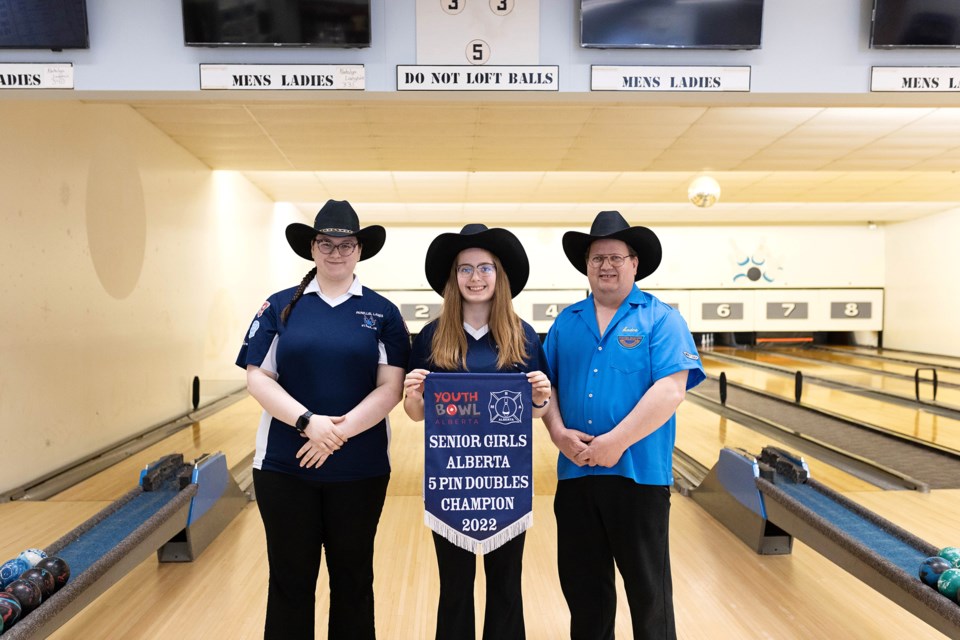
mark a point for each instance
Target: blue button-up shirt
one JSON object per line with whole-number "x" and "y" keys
{"x": 600, "y": 379}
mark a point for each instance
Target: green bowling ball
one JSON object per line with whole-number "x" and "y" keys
{"x": 951, "y": 554}
{"x": 949, "y": 583}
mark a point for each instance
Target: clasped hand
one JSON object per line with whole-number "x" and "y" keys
{"x": 600, "y": 451}
{"x": 323, "y": 438}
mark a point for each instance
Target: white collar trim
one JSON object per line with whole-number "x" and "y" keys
{"x": 476, "y": 333}
{"x": 356, "y": 289}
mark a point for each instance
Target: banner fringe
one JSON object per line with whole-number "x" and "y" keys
{"x": 473, "y": 545}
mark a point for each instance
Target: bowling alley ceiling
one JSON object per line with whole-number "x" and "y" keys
{"x": 558, "y": 161}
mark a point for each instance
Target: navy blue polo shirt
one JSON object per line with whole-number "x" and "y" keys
{"x": 326, "y": 356}
{"x": 600, "y": 379}
{"x": 482, "y": 352}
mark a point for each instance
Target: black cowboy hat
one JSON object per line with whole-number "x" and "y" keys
{"x": 338, "y": 219}
{"x": 610, "y": 225}
{"x": 444, "y": 249}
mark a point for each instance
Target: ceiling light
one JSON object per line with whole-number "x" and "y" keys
{"x": 704, "y": 191}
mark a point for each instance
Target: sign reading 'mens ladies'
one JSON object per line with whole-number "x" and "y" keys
{"x": 716, "y": 79}
{"x": 43, "y": 75}
{"x": 280, "y": 77}
{"x": 915, "y": 79}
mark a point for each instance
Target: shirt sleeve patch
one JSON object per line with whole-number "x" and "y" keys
{"x": 253, "y": 329}
{"x": 692, "y": 356}
{"x": 266, "y": 305}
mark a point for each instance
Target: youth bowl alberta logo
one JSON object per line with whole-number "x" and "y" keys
{"x": 505, "y": 407}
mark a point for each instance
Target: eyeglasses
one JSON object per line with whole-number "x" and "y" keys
{"x": 485, "y": 269}
{"x": 344, "y": 248}
{"x": 615, "y": 260}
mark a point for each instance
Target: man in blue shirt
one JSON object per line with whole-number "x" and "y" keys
{"x": 621, "y": 362}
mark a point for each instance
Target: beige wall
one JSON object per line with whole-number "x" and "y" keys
{"x": 922, "y": 298}
{"x": 128, "y": 268}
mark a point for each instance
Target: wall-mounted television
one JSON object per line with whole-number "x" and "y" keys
{"x": 43, "y": 24}
{"x": 276, "y": 23}
{"x": 668, "y": 24}
{"x": 915, "y": 23}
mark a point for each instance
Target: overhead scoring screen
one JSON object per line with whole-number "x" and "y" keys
{"x": 276, "y": 23}
{"x": 43, "y": 24}
{"x": 916, "y": 23}
{"x": 704, "y": 24}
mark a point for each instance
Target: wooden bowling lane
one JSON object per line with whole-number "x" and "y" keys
{"x": 701, "y": 434}
{"x": 722, "y": 589}
{"x": 876, "y": 364}
{"x": 231, "y": 430}
{"x": 920, "y": 359}
{"x": 946, "y": 396}
{"x": 909, "y": 421}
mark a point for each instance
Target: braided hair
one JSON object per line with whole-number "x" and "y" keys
{"x": 296, "y": 296}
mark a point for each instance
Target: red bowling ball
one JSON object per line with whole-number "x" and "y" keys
{"x": 58, "y": 567}
{"x": 27, "y": 593}
{"x": 42, "y": 578}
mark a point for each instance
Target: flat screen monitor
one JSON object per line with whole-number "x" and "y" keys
{"x": 43, "y": 24}
{"x": 667, "y": 24}
{"x": 276, "y": 23}
{"x": 915, "y": 23}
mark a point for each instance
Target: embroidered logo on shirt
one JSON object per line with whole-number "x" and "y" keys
{"x": 505, "y": 407}
{"x": 369, "y": 319}
{"x": 629, "y": 342}
{"x": 266, "y": 305}
{"x": 692, "y": 356}
{"x": 254, "y": 328}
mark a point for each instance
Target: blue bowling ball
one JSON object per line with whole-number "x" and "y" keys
{"x": 11, "y": 570}
{"x": 931, "y": 568}
{"x": 32, "y": 556}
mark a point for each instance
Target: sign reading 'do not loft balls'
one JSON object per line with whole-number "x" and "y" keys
{"x": 915, "y": 79}
{"x": 36, "y": 76}
{"x": 468, "y": 78}
{"x": 283, "y": 77}
{"x": 605, "y": 78}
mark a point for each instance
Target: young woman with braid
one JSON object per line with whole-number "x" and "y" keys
{"x": 478, "y": 272}
{"x": 326, "y": 361}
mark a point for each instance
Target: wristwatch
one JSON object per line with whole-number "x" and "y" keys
{"x": 303, "y": 421}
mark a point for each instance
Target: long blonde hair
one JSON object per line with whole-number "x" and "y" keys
{"x": 449, "y": 346}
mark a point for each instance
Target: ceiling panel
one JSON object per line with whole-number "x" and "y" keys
{"x": 554, "y": 159}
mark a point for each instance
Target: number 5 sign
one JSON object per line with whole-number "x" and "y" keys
{"x": 477, "y": 32}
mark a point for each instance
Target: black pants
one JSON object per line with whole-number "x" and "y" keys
{"x": 607, "y": 519}
{"x": 503, "y": 617}
{"x": 301, "y": 519}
